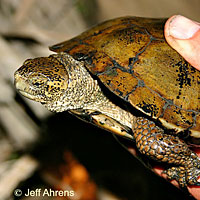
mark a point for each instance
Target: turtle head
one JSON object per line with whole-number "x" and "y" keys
{"x": 42, "y": 79}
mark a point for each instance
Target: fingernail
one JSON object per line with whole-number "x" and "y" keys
{"x": 182, "y": 28}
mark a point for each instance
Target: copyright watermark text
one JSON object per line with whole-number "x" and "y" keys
{"x": 45, "y": 192}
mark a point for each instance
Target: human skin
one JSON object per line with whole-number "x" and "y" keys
{"x": 183, "y": 35}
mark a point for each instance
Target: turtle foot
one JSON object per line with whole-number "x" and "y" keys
{"x": 183, "y": 175}
{"x": 154, "y": 143}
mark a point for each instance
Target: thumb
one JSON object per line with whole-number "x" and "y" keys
{"x": 183, "y": 35}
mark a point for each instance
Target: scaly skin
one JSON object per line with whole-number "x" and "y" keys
{"x": 62, "y": 83}
{"x": 153, "y": 142}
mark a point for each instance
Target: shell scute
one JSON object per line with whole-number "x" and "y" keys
{"x": 179, "y": 117}
{"x": 147, "y": 101}
{"x": 117, "y": 81}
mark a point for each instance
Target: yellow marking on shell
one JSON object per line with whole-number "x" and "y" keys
{"x": 171, "y": 126}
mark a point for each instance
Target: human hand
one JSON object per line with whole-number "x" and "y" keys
{"x": 183, "y": 35}
{"x": 193, "y": 190}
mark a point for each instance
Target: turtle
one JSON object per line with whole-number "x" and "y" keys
{"x": 121, "y": 75}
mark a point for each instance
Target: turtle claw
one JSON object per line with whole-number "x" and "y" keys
{"x": 183, "y": 175}
{"x": 197, "y": 184}
{"x": 178, "y": 174}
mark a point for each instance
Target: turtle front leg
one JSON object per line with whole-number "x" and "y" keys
{"x": 151, "y": 141}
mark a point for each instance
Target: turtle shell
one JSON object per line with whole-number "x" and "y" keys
{"x": 131, "y": 57}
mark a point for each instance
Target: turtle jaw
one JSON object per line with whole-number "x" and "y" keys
{"x": 25, "y": 89}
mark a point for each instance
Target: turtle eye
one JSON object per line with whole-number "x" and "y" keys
{"x": 37, "y": 82}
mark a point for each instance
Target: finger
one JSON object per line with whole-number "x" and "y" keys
{"x": 194, "y": 190}
{"x": 183, "y": 35}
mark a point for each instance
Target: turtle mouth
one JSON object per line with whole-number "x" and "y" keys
{"x": 24, "y": 89}
{"x": 27, "y": 95}
{"x": 30, "y": 96}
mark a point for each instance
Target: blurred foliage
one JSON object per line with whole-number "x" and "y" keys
{"x": 89, "y": 10}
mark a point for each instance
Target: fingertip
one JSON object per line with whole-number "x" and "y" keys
{"x": 167, "y": 25}
{"x": 180, "y": 27}
{"x": 171, "y": 41}
{"x": 187, "y": 44}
